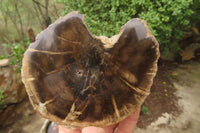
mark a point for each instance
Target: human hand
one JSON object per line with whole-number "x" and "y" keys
{"x": 126, "y": 126}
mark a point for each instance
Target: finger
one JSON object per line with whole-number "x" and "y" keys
{"x": 66, "y": 130}
{"x": 128, "y": 125}
{"x": 110, "y": 129}
{"x": 92, "y": 129}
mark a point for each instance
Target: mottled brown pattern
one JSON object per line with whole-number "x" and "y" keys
{"x": 72, "y": 79}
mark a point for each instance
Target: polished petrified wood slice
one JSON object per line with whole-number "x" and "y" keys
{"x": 76, "y": 79}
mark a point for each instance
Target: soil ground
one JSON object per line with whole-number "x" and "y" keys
{"x": 162, "y": 98}
{"x": 186, "y": 119}
{"x": 173, "y": 104}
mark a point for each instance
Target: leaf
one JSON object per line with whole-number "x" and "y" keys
{"x": 145, "y": 110}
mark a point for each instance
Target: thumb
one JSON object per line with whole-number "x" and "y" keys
{"x": 92, "y": 129}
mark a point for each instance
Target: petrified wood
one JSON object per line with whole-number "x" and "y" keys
{"x": 77, "y": 79}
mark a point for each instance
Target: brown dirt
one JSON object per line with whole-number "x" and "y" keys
{"x": 162, "y": 98}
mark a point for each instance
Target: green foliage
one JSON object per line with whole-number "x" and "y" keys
{"x": 195, "y": 19}
{"x": 2, "y": 57}
{"x": 167, "y": 19}
{"x": 145, "y": 110}
{"x": 17, "y": 52}
{"x": 1, "y": 96}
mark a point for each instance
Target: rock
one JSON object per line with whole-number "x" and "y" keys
{"x": 12, "y": 87}
{"x": 4, "y": 62}
{"x": 13, "y": 95}
{"x": 6, "y": 116}
{"x": 15, "y": 113}
{"x": 189, "y": 51}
